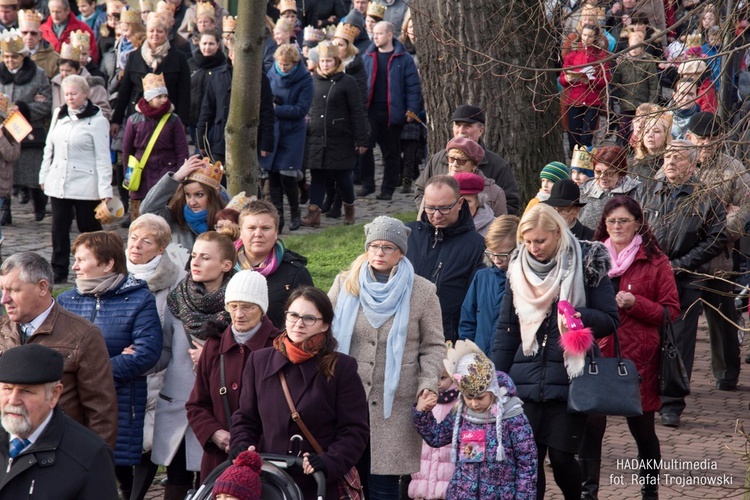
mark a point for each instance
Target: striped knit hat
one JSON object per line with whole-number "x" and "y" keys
{"x": 555, "y": 171}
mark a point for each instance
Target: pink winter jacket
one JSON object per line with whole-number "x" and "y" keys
{"x": 436, "y": 470}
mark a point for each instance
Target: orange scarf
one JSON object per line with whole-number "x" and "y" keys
{"x": 298, "y": 353}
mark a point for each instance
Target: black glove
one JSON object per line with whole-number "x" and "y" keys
{"x": 236, "y": 451}
{"x": 317, "y": 463}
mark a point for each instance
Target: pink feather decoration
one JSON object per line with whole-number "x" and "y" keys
{"x": 577, "y": 341}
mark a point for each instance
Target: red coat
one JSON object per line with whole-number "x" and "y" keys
{"x": 588, "y": 93}
{"x": 205, "y": 407}
{"x": 652, "y": 283}
{"x": 335, "y": 412}
{"x": 73, "y": 25}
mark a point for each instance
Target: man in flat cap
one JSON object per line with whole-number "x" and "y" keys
{"x": 468, "y": 121}
{"x": 34, "y": 317}
{"x": 726, "y": 177}
{"x": 46, "y": 454}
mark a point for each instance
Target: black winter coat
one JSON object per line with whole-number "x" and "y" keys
{"x": 215, "y": 112}
{"x": 449, "y": 258}
{"x": 67, "y": 462}
{"x": 176, "y": 75}
{"x": 201, "y": 69}
{"x": 290, "y": 274}
{"x": 689, "y": 222}
{"x": 356, "y": 68}
{"x": 337, "y": 123}
{"x": 542, "y": 377}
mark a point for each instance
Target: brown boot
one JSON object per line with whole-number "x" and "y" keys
{"x": 348, "y": 214}
{"x": 312, "y": 217}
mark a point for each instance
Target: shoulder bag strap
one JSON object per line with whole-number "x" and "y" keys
{"x": 295, "y": 415}
{"x": 223, "y": 391}
{"x": 152, "y": 140}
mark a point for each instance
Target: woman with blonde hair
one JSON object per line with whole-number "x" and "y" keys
{"x": 653, "y": 125}
{"x": 533, "y": 344}
{"x": 387, "y": 318}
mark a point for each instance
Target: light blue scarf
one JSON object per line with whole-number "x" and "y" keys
{"x": 379, "y": 301}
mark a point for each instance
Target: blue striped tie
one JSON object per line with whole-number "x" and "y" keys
{"x": 17, "y": 445}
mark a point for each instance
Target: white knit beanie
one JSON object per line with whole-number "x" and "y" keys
{"x": 248, "y": 286}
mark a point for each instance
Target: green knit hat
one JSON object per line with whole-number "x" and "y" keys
{"x": 555, "y": 171}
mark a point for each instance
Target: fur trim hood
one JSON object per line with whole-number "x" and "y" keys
{"x": 596, "y": 262}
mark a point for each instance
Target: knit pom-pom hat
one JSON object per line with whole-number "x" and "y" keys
{"x": 241, "y": 479}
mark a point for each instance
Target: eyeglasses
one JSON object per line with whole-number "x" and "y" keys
{"x": 307, "y": 320}
{"x": 32, "y": 33}
{"x": 442, "y": 210}
{"x": 458, "y": 161}
{"x": 113, "y": 16}
{"x": 498, "y": 256}
{"x": 387, "y": 249}
{"x": 606, "y": 173}
{"x": 243, "y": 307}
{"x": 621, "y": 221}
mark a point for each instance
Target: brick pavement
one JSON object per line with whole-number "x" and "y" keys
{"x": 709, "y": 429}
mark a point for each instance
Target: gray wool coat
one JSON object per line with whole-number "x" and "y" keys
{"x": 395, "y": 446}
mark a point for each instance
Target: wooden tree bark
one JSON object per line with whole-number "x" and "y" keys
{"x": 475, "y": 52}
{"x": 242, "y": 125}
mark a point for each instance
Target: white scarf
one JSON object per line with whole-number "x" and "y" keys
{"x": 144, "y": 271}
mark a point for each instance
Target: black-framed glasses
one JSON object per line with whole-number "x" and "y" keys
{"x": 606, "y": 174}
{"x": 307, "y": 319}
{"x": 498, "y": 256}
{"x": 621, "y": 221}
{"x": 458, "y": 161}
{"x": 386, "y": 249}
{"x": 442, "y": 210}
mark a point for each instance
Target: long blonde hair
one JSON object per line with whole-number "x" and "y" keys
{"x": 351, "y": 282}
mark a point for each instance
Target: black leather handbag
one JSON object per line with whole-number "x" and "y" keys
{"x": 674, "y": 381}
{"x": 608, "y": 386}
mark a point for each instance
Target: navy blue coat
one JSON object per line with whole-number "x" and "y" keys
{"x": 542, "y": 377}
{"x": 449, "y": 258}
{"x": 404, "y": 86}
{"x": 293, "y": 95}
{"x": 126, "y": 316}
{"x": 214, "y": 113}
{"x": 481, "y": 308}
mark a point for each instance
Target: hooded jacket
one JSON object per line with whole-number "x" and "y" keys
{"x": 448, "y": 257}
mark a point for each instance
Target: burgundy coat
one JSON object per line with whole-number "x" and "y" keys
{"x": 205, "y": 407}
{"x": 170, "y": 149}
{"x": 335, "y": 412}
{"x": 652, "y": 283}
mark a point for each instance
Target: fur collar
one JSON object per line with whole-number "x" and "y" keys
{"x": 91, "y": 110}
{"x": 166, "y": 275}
{"x": 24, "y": 74}
{"x": 596, "y": 262}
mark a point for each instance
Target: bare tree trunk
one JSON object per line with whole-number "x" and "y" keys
{"x": 242, "y": 124}
{"x": 476, "y": 52}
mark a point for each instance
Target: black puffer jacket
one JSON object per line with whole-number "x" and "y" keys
{"x": 356, "y": 68}
{"x": 290, "y": 274}
{"x": 689, "y": 222}
{"x": 201, "y": 69}
{"x": 449, "y": 258}
{"x": 542, "y": 377}
{"x": 337, "y": 123}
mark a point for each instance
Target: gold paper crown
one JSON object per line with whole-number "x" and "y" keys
{"x": 158, "y": 17}
{"x": 209, "y": 174}
{"x": 327, "y": 49}
{"x": 695, "y": 40}
{"x": 164, "y": 7}
{"x": 114, "y": 6}
{"x": 330, "y": 31}
{"x": 131, "y": 16}
{"x": 239, "y": 201}
{"x": 376, "y": 10}
{"x": 205, "y": 8}
{"x": 582, "y": 158}
{"x": 29, "y": 20}
{"x": 346, "y": 31}
{"x": 284, "y": 24}
{"x": 229, "y": 24}
{"x": 4, "y": 103}
{"x": 153, "y": 81}
{"x": 70, "y": 52}
{"x": 11, "y": 42}
{"x": 285, "y": 5}
{"x": 80, "y": 38}
{"x": 480, "y": 370}
{"x": 313, "y": 35}
{"x": 146, "y": 5}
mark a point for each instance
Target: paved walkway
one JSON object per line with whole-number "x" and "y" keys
{"x": 709, "y": 438}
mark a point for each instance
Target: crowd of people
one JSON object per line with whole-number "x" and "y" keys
{"x": 437, "y": 365}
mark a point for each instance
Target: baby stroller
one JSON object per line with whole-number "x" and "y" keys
{"x": 277, "y": 484}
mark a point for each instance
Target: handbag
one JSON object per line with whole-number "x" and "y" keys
{"x": 607, "y": 386}
{"x": 674, "y": 381}
{"x": 349, "y": 486}
{"x": 135, "y": 167}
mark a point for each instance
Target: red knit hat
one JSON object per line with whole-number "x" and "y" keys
{"x": 242, "y": 479}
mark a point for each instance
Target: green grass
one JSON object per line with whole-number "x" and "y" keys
{"x": 331, "y": 250}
